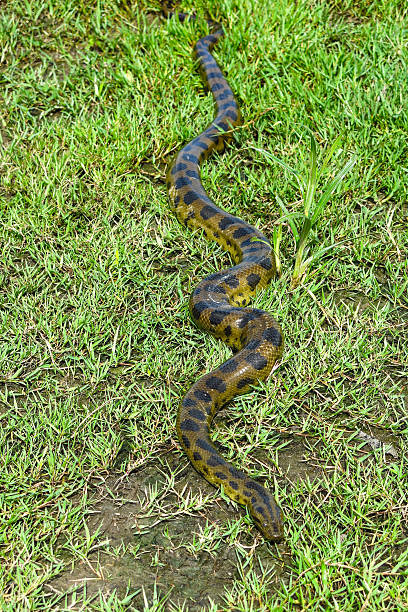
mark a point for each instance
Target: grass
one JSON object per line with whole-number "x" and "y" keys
{"x": 96, "y": 348}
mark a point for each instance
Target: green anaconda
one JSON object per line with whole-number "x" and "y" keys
{"x": 216, "y": 304}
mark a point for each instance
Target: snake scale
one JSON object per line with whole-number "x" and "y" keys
{"x": 217, "y": 303}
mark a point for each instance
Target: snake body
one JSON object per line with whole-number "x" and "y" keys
{"x": 217, "y": 303}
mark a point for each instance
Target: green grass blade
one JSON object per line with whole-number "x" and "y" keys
{"x": 312, "y": 179}
{"x": 331, "y": 188}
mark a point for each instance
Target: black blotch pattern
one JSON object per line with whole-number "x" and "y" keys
{"x": 226, "y": 222}
{"x": 188, "y": 402}
{"x": 273, "y": 335}
{"x": 202, "y": 145}
{"x": 182, "y": 182}
{"x": 232, "y": 281}
{"x": 190, "y": 197}
{"x": 247, "y": 317}
{"x": 253, "y": 280}
{"x": 179, "y": 167}
{"x": 198, "y": 308}
{"x": 203, "y": 396}
{"x": 260, "y": 490}
{"x": 215, "y": 460}
{"x": 232, "y": 114}
{"x": 240, "y": 232}
{"x": 207, "y": 212}
{"x": 197, "y": 456}
{"x": 244, "y": 382}
{"x": 227, "y": 331}
{"x": 189, "y": 425}
{"x": 260, "y": 510}
{"x": 220, "y": 475}
{"x": 257, "y": 361}
{"x": 191, "y": 157}
{"x": 265, "y": 263}
{"x": 192, "y": 174}
{"x": 216, "y": 383}
{"x": 229, "y": 366}
{"x": 197, "y": 414}
{"x": 253, "y": 344}
{"x": 217, "y": 317}
{"x": 204, "y": 445}
{"x": 186, "y": 441}
{"x": 233, "y": 485}
{"x": 235, "y": 473}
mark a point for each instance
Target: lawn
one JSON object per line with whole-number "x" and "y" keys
{"x": 100, "y": 510}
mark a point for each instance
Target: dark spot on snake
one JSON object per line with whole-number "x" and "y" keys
{"x": 253, "y": 344}
{"x": 215, "y": 460}
{"x": 244, "y": 382}
{"x": 206, "y": 446}
{"x": 253, "y": 280}
{"x": 203, "y": 396}
{"x": 192, "y": 174}
{"x": 202, "y": 145}
{"x": 226, "y": 222}
{"x": 177, "y": 199}
{"x": 186, "y": 441}
{"x": 233, "y": 485}
{"x": 257, "y": 361}
{"x": 232, "y": 114}
{"x": 259, "y": 489}
{"x": 232, "y": 281}
{"x": 189, "y": 425}
{"x": 253, "y": 499}
{"x": 235, "y": 472}
{"x": 227, "y": 331}
{"x": 197, "y": 456}
{"x": 182, "y": 182}
{"x": 260, "y": 510}
{"x": 198, "y": 308}
{"x": 191, "y": 158}
{"x": 217, "y": 317}
{"x": 197, "y": 414}
{"x": 217, "y": 87}
{"x": 216, "y": 383}
{"x": 229, "y": 366}
{"x": 240, "y": 232}
{"x": 188, "y": 402}
{"x": 197, "y": 291}
{"x": 205, "y": 469}
{"x": 273, "y": 335}
{"x": 179, "y": 167}
{"x": 225, "y": 95}
{"x": 190, "y": 197}
{"x": 265, "y": 263}
{"x": 214, "y": 276}
{"x": 213, "y": 75}
{"x": 248, "y": 316}
{"x": 220, "y": 475}
{"x": 207, "y": 212}
{"x": 223, "y": 126}
{"x": 219, "y": 290}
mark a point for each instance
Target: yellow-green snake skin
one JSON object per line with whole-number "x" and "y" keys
{"x": 216, "y": 305}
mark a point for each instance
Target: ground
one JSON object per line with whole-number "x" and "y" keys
{"x": 100, "y": 510}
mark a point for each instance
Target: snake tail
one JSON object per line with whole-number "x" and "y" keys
{"x": 217, "y": 305}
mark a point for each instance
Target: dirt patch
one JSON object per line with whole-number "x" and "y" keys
{"x": 168, "y": 537}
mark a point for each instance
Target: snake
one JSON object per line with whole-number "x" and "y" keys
{"x": 218, "y": 303}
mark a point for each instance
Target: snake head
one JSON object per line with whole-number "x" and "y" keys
{"x": 267, "y": 516}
